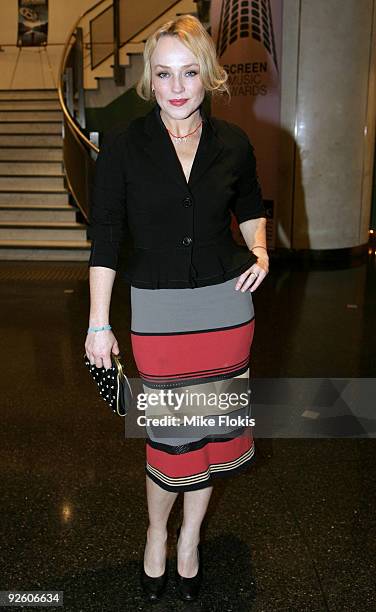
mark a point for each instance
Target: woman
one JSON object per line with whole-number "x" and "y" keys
{"x": 176, "y": 174}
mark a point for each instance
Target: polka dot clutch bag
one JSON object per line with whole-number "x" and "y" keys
{"x": 113, "y": 384}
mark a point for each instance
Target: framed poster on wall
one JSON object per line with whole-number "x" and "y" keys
{"x": 32, "y": 23}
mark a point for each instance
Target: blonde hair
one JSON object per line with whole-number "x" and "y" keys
{"x": 192, "y": 33}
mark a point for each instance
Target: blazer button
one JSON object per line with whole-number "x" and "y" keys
{"x": 187, "y": 240}
{"x": 187, "y": 201}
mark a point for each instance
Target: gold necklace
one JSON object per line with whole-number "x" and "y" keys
{"x": 183, "y": 138}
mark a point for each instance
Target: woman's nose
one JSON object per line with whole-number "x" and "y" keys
{"x": 177, "y": 85}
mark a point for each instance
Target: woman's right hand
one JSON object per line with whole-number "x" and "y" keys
{"x": 98, "y": 347}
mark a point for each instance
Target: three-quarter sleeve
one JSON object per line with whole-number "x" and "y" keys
{"x": 248, "y": 203}
{"x": 107, "y": 203}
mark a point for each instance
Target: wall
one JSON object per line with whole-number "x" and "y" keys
{"x": 35, "y": 68}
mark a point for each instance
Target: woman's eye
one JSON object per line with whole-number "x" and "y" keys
{"x": 190, "y": 73}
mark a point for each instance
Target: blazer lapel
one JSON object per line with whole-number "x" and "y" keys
{"x": 161, "y": 150}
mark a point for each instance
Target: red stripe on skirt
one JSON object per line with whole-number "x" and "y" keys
{"x": 197, "y": 461}
{"x": 182, "y": 353}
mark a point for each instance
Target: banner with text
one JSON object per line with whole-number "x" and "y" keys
{"x": 248, "y": 37}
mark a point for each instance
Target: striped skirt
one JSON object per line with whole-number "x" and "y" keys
{"x": 192, "y": 349}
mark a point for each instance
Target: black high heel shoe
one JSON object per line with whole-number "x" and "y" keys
{"x": 188, "y": 588}
{"x": 153, "y": 587}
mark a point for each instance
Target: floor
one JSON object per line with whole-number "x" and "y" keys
{"x": 296, "y": 532}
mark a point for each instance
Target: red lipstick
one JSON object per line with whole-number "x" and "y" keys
{"x": 178, "y": 102}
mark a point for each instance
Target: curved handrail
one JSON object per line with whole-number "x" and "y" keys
{"x": 78, "y": 133}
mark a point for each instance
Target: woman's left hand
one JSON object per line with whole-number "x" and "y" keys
{"x": 253, "y": 277}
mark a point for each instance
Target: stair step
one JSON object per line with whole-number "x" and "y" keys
{"x": 31, "y": 183}
{"x": 42, "y": 214}
{"x": 31, "y": 140}
{"x": 29, "y": 94}
{"x": 42, "y": 154}
{"x": 35, "y": 206}
{"x": 31, "y": 168}
{"x": 41, "y": 230}
{"x": 52, "y": 225}
{"x": 33, "y": 127}
{"x": 32, "y": 115}
{"x": 45, "y": 250}
{"x": 29, "y": 105}
{"x": 37, "y": 199}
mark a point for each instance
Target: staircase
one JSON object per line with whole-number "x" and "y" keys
{"x": 37, "y": 222}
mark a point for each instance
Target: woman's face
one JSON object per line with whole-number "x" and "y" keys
{"x": 176, "y": 78}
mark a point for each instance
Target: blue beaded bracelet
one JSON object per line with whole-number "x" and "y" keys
{"x": 97, "y": 329}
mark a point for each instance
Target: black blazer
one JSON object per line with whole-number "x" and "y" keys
{"x": 181, "y": 231}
